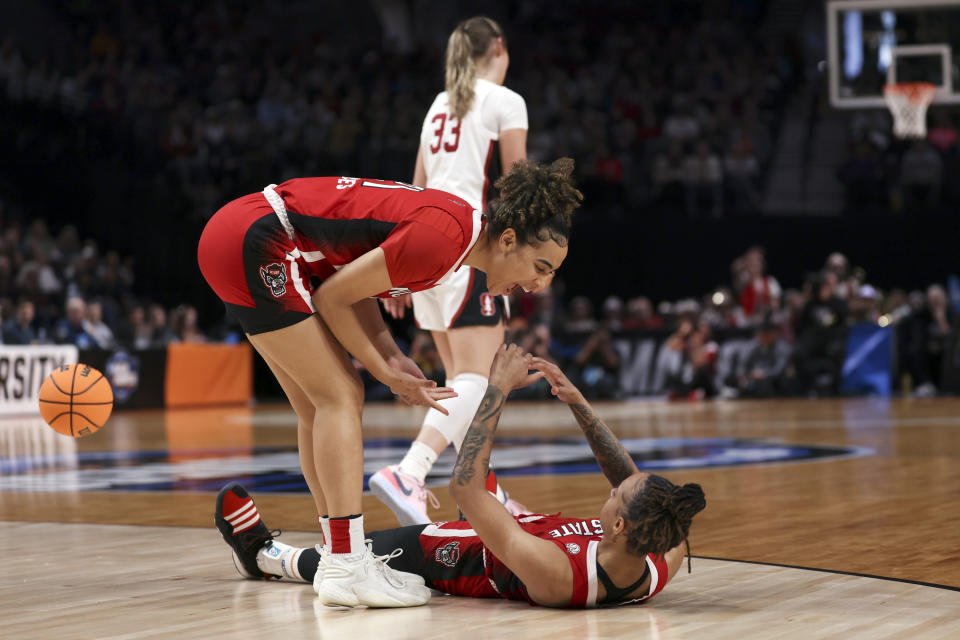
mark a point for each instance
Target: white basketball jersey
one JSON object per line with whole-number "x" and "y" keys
{"x": 456, "y": 153}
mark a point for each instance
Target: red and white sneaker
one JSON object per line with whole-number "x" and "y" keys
{"x": 511, "y": 505}
{"x": 405, "y": 495}
{"x": 242, "y": 528}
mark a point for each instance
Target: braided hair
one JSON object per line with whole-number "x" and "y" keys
{"x": 536, "y": 201}
{"x": 659, "y": 516}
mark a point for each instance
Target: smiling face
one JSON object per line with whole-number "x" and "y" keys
{"x": 529, "y": 266}
{"x": 611, "y": 513}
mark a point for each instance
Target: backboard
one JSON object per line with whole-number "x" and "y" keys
{"x": 871, "y": 43}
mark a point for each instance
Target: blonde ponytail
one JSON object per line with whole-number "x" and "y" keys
{"x": 468, "y": 42}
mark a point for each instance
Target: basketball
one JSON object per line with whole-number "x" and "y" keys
{"x": 76, "y": 400}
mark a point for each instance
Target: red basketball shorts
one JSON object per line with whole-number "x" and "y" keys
{"x": 255, "y": 269}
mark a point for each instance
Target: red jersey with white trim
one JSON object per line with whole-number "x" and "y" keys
{"x": 425, "y": 234}
{"x": 456, "y": 543}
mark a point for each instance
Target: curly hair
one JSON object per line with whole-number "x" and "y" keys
{"x": 536, "y": 201}
{"x": 659, "y": 516}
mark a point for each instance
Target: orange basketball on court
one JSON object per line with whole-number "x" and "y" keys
{"x": 76, "y": 400}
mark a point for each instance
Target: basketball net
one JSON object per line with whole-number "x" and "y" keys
{"x": 908, "y": 102}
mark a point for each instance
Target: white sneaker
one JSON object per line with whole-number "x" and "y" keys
{"x": 397, "y": 575}
{"x": 405, "y": 495}
{"x": 318, "y": 576}
{"x": 362, "y": 578}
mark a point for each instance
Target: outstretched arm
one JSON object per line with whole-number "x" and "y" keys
{"x": 540, "y": 564}
{"x": 360, "y": 334}
{"x": 614, "y": 461}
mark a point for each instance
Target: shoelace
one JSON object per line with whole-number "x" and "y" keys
{"x": 328, "y": 570}
{"x": 388, "y": 573}
{"x": 253, "y": 540}
{"x": 432, "y": 498}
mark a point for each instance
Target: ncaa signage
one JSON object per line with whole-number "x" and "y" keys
{"x": 123, "y": 372}
{"x": 24, "y": 368}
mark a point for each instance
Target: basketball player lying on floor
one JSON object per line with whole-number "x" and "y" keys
{"x": 624, "y": 556}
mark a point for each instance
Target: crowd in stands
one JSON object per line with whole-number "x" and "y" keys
{"x": 61, "y": 289}
{"x": 656, "y": 102}
{"x": 751, "y": 339}
{"x": 884, "y": 173}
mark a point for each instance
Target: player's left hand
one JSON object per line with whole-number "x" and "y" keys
{"x": 405, "y": 364}
{"x": 511, "y": 369}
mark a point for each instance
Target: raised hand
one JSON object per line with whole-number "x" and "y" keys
{"x": 560, "y": 386}
{"x": 511, "y": 369}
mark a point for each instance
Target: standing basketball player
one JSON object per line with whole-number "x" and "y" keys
{"x": 362, "y": 238}
{"x": 625, "y": 555}
{"x": 465, "y": 319}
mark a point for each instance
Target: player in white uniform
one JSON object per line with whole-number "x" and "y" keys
{"x": 466, "y": 321}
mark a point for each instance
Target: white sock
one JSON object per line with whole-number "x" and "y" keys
{"x": 470, "y": 388}
{"x": 418, "y": 461}
{"x": 280, "y": 559}
{"x": 324, "y": 531}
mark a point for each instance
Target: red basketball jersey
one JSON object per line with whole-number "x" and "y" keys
{"x": 451, "y": 543}
{"x": 424, "y": 233}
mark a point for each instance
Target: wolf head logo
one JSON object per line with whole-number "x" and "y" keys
{"x": 275, "y": 277}
{"x": 449, "y": 555}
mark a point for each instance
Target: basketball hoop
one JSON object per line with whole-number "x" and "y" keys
{"x": 908, "y": 102}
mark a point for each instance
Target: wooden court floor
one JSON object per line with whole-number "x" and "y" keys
{"x": 824, "y": 519}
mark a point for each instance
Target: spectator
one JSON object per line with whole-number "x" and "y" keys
{"x": 821, "y": 339}
{"x": 691, "y": 368}
{"x": 21, "y": 329}
{"x": 612, "y": 319}
{"x": 161, "y": 334}
{"x": 847, "y": 283}
{"x": 136, "y": 332}
{"x": 185, "y": 324}
{"x": 70, "y": 330}
{"x": 763, "y": 372}
{"x": 37, "y": 275}
{"x": 929, "y": 332}
{"x": 760, "y": 293}
{"x": 543, "y": 312}
{"x": 580, "y": 318}
{"x": 96, "y": 328}
{"x": 640, "y": 316}
{"x": 788, "y": 318}
{"x": 595, "y": 367}
{"x": 721, "y": 312}
{"x": 535, "y": 340}
{"x": 865, "y": 306}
